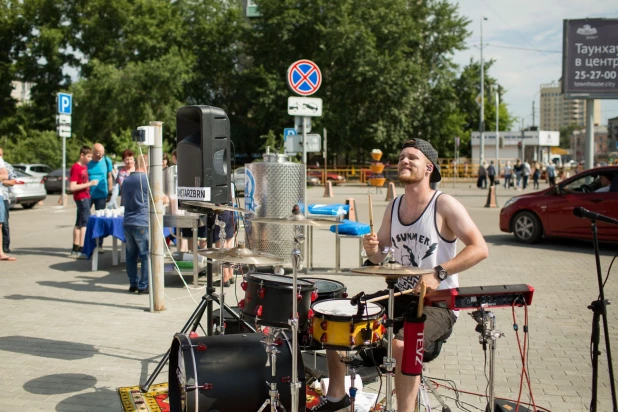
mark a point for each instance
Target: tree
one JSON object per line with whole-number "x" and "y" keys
{"x": 566, "y": 133}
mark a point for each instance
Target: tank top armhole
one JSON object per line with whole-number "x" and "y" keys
{"x": 435, "y": 221}
{"x": 393, "y": 209}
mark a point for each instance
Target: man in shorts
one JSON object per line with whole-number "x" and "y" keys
{"x": 4, "y": 174}
{"x": 420, "y": 229}
{"x": 80, "y": 186}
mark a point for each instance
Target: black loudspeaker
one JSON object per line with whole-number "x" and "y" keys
{"x": 203, "y": 154}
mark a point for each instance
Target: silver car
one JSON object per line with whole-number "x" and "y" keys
{"x": 27, "y": 191}
{"x": 33, "y": 169}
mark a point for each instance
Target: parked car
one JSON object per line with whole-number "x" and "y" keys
{"x": 53, "y": 181}
{"x": 549, "y": 212}
{"x": 36, "y": 170}
{"x": 238, "y": 177}
{"x": 314, "y": 176}
{"x": 27, "y": 191}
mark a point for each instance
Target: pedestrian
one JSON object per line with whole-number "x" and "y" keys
{"x": 4, "y": 175}
{"x": 128, "y": 157}
{"x": 508, "y": 174}
{"x": 536, "y": 175}
{"x": 526, "y": 172}
{"x": 420, "y": 229}
{"x": 481, "y": 182}
{"x": 174, "y": 158}
{"x": 491, "y": 173}
{"x": 135, "y": 201}
{"x": 80, "y": 185}
{"x": 10, "y": 181}
{"x": 551, "y": 174}
{"x": 166, "y": 161}
{"x": 100, "y": 169}
{"x": 518, "y": 168}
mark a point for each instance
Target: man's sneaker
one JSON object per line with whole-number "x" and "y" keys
{"x": 327, "y": 406}
{"x": 231, "y": 280}
{"x": 132, "y": 289}
{"x": 83, "y": 256}
{"x": 101, "y": 249}
{"x": 74, "y": 255}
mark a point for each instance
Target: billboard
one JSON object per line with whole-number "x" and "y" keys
{"x": 590, "y": 59}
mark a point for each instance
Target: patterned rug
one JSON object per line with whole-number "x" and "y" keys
{"x": 133, "y": 400}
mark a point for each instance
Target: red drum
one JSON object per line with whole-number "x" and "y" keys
{"x": 268, "y": 299}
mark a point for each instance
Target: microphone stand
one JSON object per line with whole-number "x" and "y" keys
{"x": 599, "y": 309}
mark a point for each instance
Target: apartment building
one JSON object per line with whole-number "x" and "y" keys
{"x": 558, "y": 112}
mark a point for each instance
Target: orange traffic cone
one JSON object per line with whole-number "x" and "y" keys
{"x": 351, "y": 215}
{"x": 391, "y": 193}
{"x": 491, "y": 197}
{"x": 328, "y": 189}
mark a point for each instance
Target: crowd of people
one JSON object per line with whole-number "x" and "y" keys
{"x": 516, "y": 175}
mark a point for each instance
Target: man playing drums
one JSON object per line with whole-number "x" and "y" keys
{"x": 421, "y": 228}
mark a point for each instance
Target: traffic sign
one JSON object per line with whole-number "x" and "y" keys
{"x": 64, "y": 131}
{"x": 294, "y": 144}
{"x": 298, "y": 124}
{"x": 288, "y": 131}
{"x": 616, "y": 145}
{"x": 304, "y": 106}
{"x": 304, "y": 77}
{"x": 65, "y": 103}
{"x": 63, "y": 119}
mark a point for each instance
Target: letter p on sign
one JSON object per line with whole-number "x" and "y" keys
{"x": 65, "y": 103}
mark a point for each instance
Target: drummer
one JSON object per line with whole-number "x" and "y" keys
{"x": 422, "y": 227}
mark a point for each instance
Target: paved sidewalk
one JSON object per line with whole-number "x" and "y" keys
{"x": 70, "y": 337}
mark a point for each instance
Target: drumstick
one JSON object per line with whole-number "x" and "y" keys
{"x": 421, "y": 298}
{"x": 379, "y": 298}
{"x": 370, "y": 215}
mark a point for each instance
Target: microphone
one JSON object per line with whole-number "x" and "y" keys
{"x": 587, "y": 214}
{"x": 356, "y": 298}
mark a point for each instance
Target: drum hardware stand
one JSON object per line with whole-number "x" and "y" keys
{"x": 488, "y": 335}
{"x": 204, "y": 306}
{"x": 299, "y": 238}
{"x": 270, "y": 342}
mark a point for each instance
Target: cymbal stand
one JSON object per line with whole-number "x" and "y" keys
{"x": 389, "y": 362}
{"x": 299, "y": 238}
{"x": 488, "y": 335}
{"x": 271, "y": 342}
{"x": 222, "y": 265}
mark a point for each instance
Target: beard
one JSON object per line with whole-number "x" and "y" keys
{"x": 412, "y": 177}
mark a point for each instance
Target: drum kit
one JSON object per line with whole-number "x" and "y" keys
{"x": 228, "y": 372}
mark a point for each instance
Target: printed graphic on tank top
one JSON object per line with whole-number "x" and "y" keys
{"x": 419, "y": 244}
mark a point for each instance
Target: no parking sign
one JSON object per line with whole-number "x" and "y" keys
{"x": 304, "y": 77}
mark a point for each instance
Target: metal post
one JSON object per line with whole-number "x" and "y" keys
{"x": 523, "y": 142}
{"x": 497, "y": 134}
{"x": 482, "y": 124}
{"x": 304, "y": 140}
{"x": 156, "y": 217}
{"x": 589, "y": 154}
{"x": 64, "y": 168}
{"x": 389, "y": 361}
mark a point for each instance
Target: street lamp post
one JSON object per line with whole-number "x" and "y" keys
{"x": 482, "y": 122}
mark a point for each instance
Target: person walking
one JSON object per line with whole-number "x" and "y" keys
{"x": 80, "y": 185}
{"x": 10, "y": 181}
{"x": 134, "y": 197}
{"x": 4, "y": 175}
{"x": 551, "y": 174}
{"x": 491, "y": 173}
{"x": 481, "y": 182}
{"x": 526, "y": 172}
{"x": 518, "y": 168}
{"x": 508, "y": 174}
{"x": 536, "y": 175}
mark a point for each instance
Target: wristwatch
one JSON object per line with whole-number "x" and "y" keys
{"x": 441, "y": 273}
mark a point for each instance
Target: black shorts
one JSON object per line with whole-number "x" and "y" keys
{"x": 188, "y": 232}
{"x": 226, "y": 216}
{"x": 438, "y": 325}
{"x": 83, "y": 212}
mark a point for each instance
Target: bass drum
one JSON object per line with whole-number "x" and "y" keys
{"x": 327, "y": 288}
{"x": 231, "y": 373}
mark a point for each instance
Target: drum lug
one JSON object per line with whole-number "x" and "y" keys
{"x": 299, "y": 297}
{"x": 286, "y": 379}
{"x": 344, "y": 295}
{"x": 201, "y": 347}
{"x": 323, "y": 338}
{"x": 241, "y": 304}
{"x": 314, "y": 295}
{"x": 376, "y": 324}
{"x": 324, "y": 324}
{"x": 243, "y": 285}
{"x": 310, "y": 314}
{"x": 351, "y": 328}
{"x": 352, "y": 343}
{"x": 376, "y": 337}
{"x": 258, "y": 311}
{"x": 261, "y": 293}
{"x": 193, "y": 335}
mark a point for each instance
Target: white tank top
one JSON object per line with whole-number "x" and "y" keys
{"x": 419, "y": 244}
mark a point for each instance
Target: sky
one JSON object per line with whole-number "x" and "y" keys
{"x": 513, "y": 25}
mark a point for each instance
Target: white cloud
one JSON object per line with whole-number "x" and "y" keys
{"x": 527, "y": 24}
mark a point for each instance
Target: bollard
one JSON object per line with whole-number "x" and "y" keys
{"x": 328, "y": 189}
{"x": 491, "y": 197}
{"x": 351, "y": 215}
{"x": 391, "y": 193}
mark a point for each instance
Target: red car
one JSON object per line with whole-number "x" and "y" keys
{"x": 550, "y": 212}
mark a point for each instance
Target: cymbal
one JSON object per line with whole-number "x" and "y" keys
{"x": 295, "y": 220}
{"x": 241, "y": 255}
{"x": 392, "y": 270}
{"x": 213, "y": 206}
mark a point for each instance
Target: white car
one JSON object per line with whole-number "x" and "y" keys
{"x": 27, "y": 191}
{"x": 34, "y": 169}
{"x": 238, "y": 177}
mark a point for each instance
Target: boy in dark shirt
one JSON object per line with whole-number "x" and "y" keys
{"x": 80, "y": 186}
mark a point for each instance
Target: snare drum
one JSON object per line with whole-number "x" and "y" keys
{"x": 336, "y": 325}
{"x": 268, "y": 299}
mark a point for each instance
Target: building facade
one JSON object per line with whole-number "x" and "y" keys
{"x": 558, "y": 112}
{"x": 533, "y": 146}
{"x": 601, "y": 144}
{"x": 612, "y": 134}
{"x": 21, "y": 91}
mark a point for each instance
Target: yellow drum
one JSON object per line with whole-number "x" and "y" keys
{"x": 337, "y": 325}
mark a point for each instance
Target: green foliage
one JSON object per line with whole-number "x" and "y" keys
{"x": 565, "y": 135}
{"x": 41, "y": 147}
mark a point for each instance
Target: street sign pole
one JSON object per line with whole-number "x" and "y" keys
{"x": 63, "y": 195}
{"x": 63, "y": 119}
{"x": 325, "y": 158}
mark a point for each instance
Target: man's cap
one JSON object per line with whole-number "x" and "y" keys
{"x": 432, "y": 154}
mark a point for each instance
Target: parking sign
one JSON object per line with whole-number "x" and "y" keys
{"x": 65, "y": 103}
